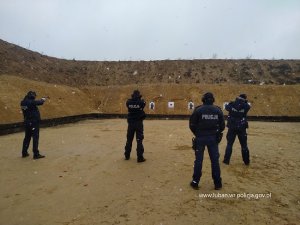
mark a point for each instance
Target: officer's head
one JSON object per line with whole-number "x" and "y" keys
{"x": 243, "y": 96}
{"x": 208, "y": 98}
{"x": 31, "y": 95}
{"x": 136, "y": 94}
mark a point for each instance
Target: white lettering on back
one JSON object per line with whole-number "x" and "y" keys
{"x": 134, "y": 106}
{"x": 209, "y": 117}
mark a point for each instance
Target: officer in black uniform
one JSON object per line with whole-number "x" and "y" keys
{"x": 237, "y": 124}
{"x": 207, "y": 124}
{"x": 32, "y": 120}
{"x": 135, "y": 118}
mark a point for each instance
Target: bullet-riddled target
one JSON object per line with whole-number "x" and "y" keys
{"x": 152, "y": 105}
{"x": 191, "y": 105}
{"x": 171, "y": 105}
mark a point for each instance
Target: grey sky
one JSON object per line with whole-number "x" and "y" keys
{"x": 154, "y": 29}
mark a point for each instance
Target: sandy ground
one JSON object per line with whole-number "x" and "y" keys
{"x": 84, "y": 179}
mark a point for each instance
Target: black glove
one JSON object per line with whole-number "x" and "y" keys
{"x": 194, "y": 143}
{"x": 219, "y": 137}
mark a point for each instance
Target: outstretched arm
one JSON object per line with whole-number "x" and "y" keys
{"x": 228, "y": 106}
{"x": 39, "y": 102}
{"x": 247, "y": 107}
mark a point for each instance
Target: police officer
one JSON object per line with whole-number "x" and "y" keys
{"x": 135, "y": 118}
{"x": 32, "y": 119}
{"x": 237, "y": 124}
{"x": 207, "y": 123}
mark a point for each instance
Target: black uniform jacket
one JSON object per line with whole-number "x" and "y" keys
{"x": 30, "y": 110}
{"x": 207, "y": 120}
{"x": 135, "y": 109}
{"x": 237, "y": 117}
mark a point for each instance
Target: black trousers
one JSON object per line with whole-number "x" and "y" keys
{"x": 137, "y": 128}
{"x": 32, "y": 130}
{"x": 242, "y": 136}
{"x": 213, "y": 151}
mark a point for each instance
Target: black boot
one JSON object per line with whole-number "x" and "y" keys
{"x": 127, "y": 156}
{"x": 24, "y": 155}
{"x": 218, "y": 184}
{"x": 194, "y": 185}
{"x": 39, "y": 156}
{"x": 226, "y": 162}
{"x": 140, "y": 160}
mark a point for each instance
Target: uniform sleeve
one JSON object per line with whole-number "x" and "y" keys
{"x": 143, "y": 104}
{"x": 228, "y": 107}
{"x": 221, "y": 121}
{"x": 38, "y": 102}
{"x": 193, "y": 122}
{"x": 247, "y": 107}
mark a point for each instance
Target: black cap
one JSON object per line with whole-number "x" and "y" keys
{"x": 31, "y": 94}
{"x": 208, "y": 98}
{"x": 243, "y": 96}
{"x": 136, "y": 94}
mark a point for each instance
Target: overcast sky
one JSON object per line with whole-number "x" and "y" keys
{"x": 154, "y": 29}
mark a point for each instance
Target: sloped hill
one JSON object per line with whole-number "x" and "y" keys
{"x": 79, "y": 87}
{"x": 64, "y": 100}
{"x": 21, "y": 62}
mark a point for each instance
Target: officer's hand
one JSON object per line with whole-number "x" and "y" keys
{"x": 44, "y": 99}
{"x": 219, "y": 137}
{"x": 194, "y": 147}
